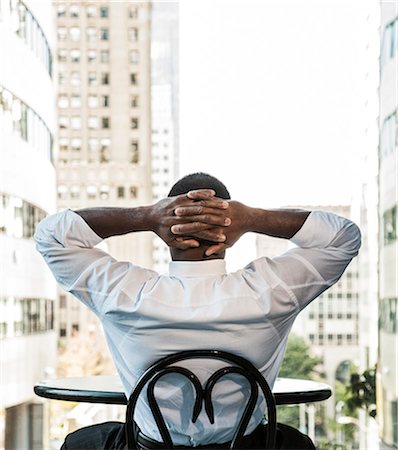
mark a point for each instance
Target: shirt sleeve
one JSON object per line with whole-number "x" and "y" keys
{"x": 66, "y": 243}
{"x": 326, "y": 244}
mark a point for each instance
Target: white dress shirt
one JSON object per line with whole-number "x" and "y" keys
{"x": 146, "y": 316}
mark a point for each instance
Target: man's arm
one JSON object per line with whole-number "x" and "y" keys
{"x": 326, "y": 243}
{"x": 67, "y": 242}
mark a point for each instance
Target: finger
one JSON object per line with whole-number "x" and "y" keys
{"x": 214, "y": 235}
{"x": 215, "y": 249}
{"x": 184, "y": 243}
{"x": 207, "y": 219}
{"x": 193, "y": 227}
{"x": 199, "y": 194}
{"x": 213, "y": 207}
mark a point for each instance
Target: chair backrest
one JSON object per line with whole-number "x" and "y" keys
{"x": 237, "y": 365}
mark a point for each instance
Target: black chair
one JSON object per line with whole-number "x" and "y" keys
{"x": 238, "y": 365}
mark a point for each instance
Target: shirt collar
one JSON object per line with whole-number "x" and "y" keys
{"x": 197, "y": 268}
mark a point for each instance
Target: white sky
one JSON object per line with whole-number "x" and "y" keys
{"x": 272, "y": 96}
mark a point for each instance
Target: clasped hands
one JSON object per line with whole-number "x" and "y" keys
{"x": 185, "y": 220}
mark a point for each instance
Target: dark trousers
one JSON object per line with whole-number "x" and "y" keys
{"x": 111, "y": 436}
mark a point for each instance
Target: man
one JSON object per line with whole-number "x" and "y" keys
{"x": 146, "y": 316}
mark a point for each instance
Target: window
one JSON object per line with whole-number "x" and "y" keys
{"x": 75, "y": 192}
{"x": 92, "y": 101}
{"x": 75, "y": 56}
{"x": 134, "y": 101}
{"x": 63, "y": 144}
{"x": 62, "y": 78}
{"x": 75, "y": 78}
{"x": 134, "y": 153}
{"x": 104, "y": 56}
{"x": 93, "y": 149}
{"x": 91, "y": 191}
{"x": 105, "y": 78}
{"x": 63, "y": 122}
{"x": 339, "y": 339}
{"x": 104, "y": 150}
{"x": 105, "y": 101}
{"x": 134, "y": 78}
{"x": 18, "y": 118}
{"x": 389, "y": 43}
{"x": 91, "y": 56}
{"x": 62, "y": 301}
{"x": 92, "y": 79}
{"x": 133, "y": 192}
{"x": 104, "y": 192}
{"x": 92, "y": 122}
{"x": 91, "y": 34}
{"x": 134, "y": 123}
{"x": 62, "y": 192}
{"x": 133, "y": 34}
{"x": 390, "y": 225}
{"x": 62, "y": 55}
{"x": 75, "y": 101}
{"x": 74, "y": 34}
{"x": 105, "y": 122}
{"x": 133, "y": 12}
{"x": 104, "y": 12}
{"x": 134, "y": 56}
{"x": 388, "y": 135}
{"x": 63, "y": 101}
{"x": 76, "y": 123}
{"x": 104, "y": 34}
{"x": 76, "y": 144}
{"x": 120, "y": 192}
{"x": 62, "y": 33}
{"x": 23, "y": 23}
{"x": 74, "y": 10}
{"x": 61, "y": 10}
{"x": 91, "y": 11}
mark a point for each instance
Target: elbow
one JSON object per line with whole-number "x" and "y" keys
{"x": 355, "y": 238}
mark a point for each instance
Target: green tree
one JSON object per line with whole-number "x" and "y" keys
{"x": 297, "y": 363}
{"x": 361, "y": 392}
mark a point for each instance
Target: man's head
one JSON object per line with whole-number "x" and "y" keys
{"x": 199, "y": 180}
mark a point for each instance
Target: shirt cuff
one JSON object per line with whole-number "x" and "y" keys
{"x": 78, "y": 229}
{"x": 318, "y": 230}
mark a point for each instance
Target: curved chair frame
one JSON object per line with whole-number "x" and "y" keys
{"x": 241, "y": 366}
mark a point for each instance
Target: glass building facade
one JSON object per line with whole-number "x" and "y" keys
{"x": 387, "y": 379}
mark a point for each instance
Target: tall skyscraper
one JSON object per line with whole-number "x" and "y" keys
{"x": 164, "y": 46}
{"x": 387, "y": 393}
{"x": 27, "y": 194}
{"x": 104, "y": 122}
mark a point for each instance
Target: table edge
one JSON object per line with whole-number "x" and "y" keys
{"x": 119, "y": 398}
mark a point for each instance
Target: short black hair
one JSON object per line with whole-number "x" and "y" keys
{"x": 199, "y": 180}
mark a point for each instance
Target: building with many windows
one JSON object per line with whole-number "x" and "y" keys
{"x": 164, "y": 45}
{"x": 104, "y": 122}
{"x": 27, "y": 194}
{"x": 387, "y": 377}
